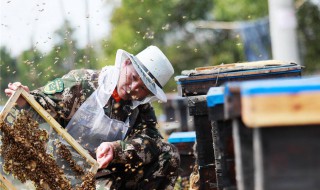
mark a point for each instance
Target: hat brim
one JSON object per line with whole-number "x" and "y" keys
{"x": 147, "y": 80}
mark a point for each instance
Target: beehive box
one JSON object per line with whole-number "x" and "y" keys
{"x": 222, "y": 139}
{"x": 199, "y": 80}
{"x": 282, "y": 102}
{"x": 184, "y": 141}
{"x": 285, "y": 118}
{"x": 37, "y": 153}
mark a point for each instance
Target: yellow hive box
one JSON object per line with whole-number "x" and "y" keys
{"x": 281, "y": 102}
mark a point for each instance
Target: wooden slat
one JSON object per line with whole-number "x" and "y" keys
{"x": 197, "y": 105}
{"x": 5, "y": 184}
{"x": 61, "y": 131}
{"x": 265, "y": 63}
{"x": 286, "y": 158}
{"x": 205, "y": 152}
{"x": 232, "y": 105}
{"x": 10, "y": 103}
{"x": 52, "y": 122}
{"x": 281, "y": 109}
{"x": 241, "y": 73}
{"x": 200, "y": 84}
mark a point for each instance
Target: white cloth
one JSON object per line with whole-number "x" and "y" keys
{"x": 89, "y": 125}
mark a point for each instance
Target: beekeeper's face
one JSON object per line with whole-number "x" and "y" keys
{"x": 130, "y": 85}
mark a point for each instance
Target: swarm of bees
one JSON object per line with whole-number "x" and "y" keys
{"x": 65, "y": 153}
{"x": 24, "y": 156}
{"x": 88, "y": 182}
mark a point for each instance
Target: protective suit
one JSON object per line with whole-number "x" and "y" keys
{"x": 86, "y": 107}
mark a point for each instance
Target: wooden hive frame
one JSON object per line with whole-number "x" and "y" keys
{"x": 52, "y": 122}
{"x": 6, "y": 184}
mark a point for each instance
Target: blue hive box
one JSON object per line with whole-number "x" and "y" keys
{"x": 184, "y": 141}
{"x": 215, "y": 103}
{"x": 181, "y": 137}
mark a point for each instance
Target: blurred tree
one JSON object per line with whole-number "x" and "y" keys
{"x": 137, "y": 24}
{"x": 308, "y": 16}
{"x": 239, "y": 10}
{"x": 8, "y": 71}
{"x": 66, "y": 55}
{"x": 37, "y": 68}
{"x": 28, "y": 67}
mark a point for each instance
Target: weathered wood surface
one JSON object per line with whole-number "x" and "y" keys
{"x": 205, "y": 153}
{"x": 215, "y": 103}
{"x": 281, "y": 102}
{"x": 240, "y": 66}
{"x": 197, "y": 105}
{"x": 232, "y": 102}
{"x": 222, "y": 139}
{"x": 224, "y": 153}
{"x": 243, "y": 151}
{"x": 281, "y": 110}
{"x": 5, "y": 184}
{"x": 193, "y": 85}
{"x": 284, "y": 145}
{"x": 287, "y": 158}
{"x": 204, "y": 147}
{"x": 216, "y": 113}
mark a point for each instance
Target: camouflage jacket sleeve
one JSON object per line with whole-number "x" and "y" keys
{"x": 141, "y": 141}
{"x": 143, "y": 154}
{"x": 63, "y": 103}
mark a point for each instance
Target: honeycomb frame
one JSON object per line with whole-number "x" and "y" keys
{"x": 6, "y": 183}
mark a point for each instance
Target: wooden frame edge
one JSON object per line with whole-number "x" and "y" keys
{"x": 53, "y": 123}
{"x": 6, "y": 183}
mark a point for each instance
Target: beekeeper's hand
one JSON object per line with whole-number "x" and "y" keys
{"x": 104, "y": 154}
{"x": 12, "y": 87}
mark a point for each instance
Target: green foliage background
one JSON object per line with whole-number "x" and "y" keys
{"x": 166, "y": 24}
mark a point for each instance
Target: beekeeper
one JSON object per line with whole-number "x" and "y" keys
{"x": 110, "y": 114}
